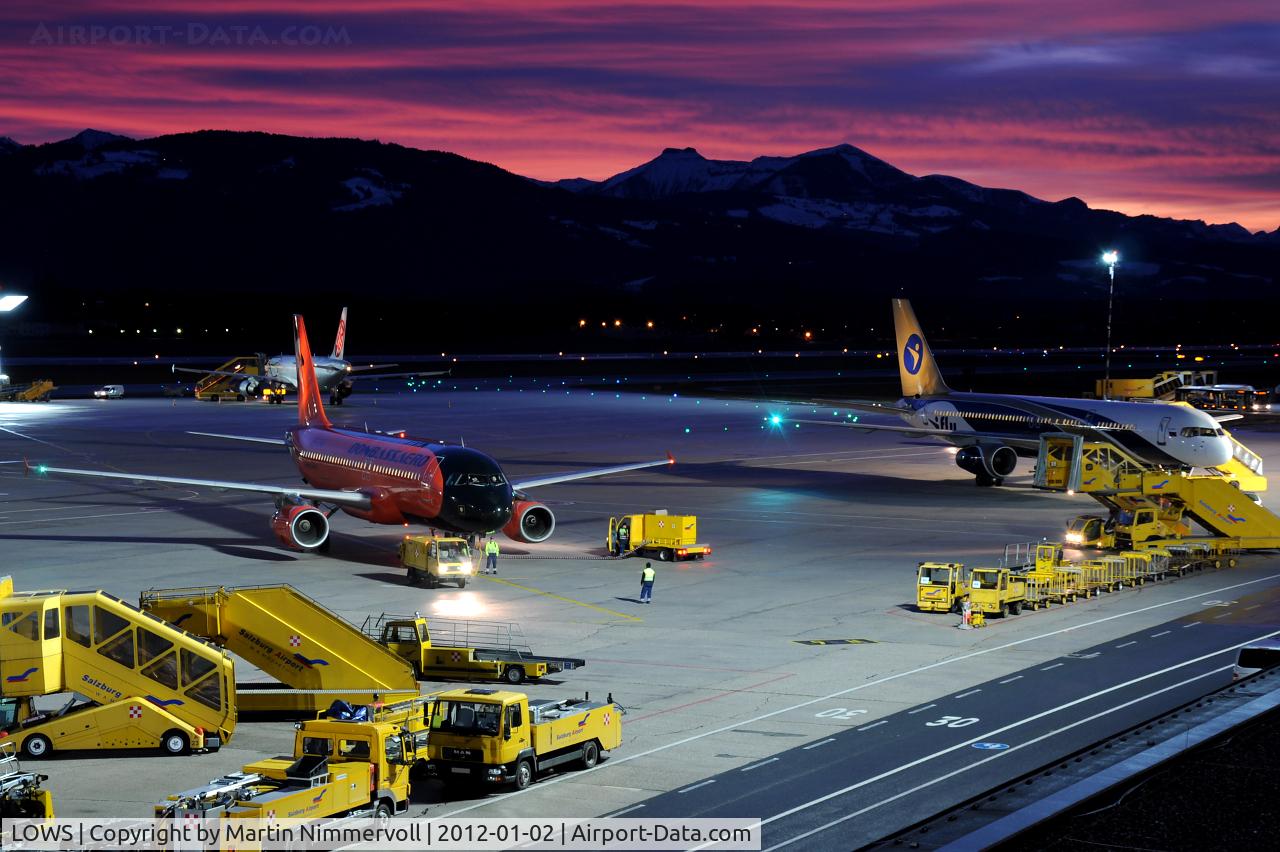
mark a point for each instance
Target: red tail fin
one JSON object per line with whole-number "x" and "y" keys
{"x": 340, "y": 342}
{"x": 310, "y": 409}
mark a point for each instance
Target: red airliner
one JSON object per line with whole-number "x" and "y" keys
{"x": 381, "y": 478}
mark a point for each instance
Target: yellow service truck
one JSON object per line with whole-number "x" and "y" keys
{"x": 668, "y": 537}
{"x": 134, "y": 680}
{"x": 339, "y": 767}
{"x": 1127, "y": 528}
{"x": 463, "y": 649}
{"x": 22, "y": 795}
{"x": 940, "y": 586}
{"x": 997, "y": 591}
{"x": 433, "y": 560}
{"x": 491, "y": 737}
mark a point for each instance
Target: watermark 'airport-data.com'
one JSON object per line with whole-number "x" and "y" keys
{"x": 193, "y": 34}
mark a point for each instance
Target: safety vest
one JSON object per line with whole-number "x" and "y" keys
{"x": 491, "y": 548}
{"x": 648, "y": 574}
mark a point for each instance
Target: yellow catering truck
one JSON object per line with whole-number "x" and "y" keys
{"x": 434, "y": 560}
{"x": 359, "y": 767}
{"x": 668, "y": 537}
{"x": 491, "y": 737}
{"x": 136, "y": 681}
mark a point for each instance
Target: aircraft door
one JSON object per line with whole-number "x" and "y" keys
{"x": 1162, "y": 437}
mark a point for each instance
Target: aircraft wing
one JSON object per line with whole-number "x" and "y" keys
{"x": 354, "y": 375}
{"x": 587, "y": 474}
{"x": 1012, "y": 440}
{"x": 266, "y": 380}
{"x": 321, "y": 495}
{"x": 279, "y": 442}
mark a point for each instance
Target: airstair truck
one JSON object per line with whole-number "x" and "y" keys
{"x": 134, "y": 681}
{"x": 492, "y": 737}
{"x": 316, "y": 656}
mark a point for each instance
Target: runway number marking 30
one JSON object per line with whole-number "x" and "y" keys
{"x": 953, "y": 722}
{"x": 841, "y": 713}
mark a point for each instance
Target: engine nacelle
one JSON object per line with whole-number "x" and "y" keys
{"x": 530, "y": 522}
{"x": 247, "y": 387}
{"x": 301, "y": 526}
{"x": 984, "y": 461}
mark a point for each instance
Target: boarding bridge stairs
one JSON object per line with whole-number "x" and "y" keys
{"x": 113, "y": 656}
{"x": 216, "y": 387}
{"x": 1220, "y": 500}
{"x": 315, "y": 655}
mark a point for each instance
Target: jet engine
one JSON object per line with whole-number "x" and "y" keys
{"x": 989, "y": 464}
{"x": 247, "y": 387}
{"x": 530, "y": 522}
{"x": 301, "y": 526}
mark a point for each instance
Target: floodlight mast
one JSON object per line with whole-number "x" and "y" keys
{"x": 1110, "y": 257}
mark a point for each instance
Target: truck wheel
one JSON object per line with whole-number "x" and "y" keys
{"x": 524, "y": 774}
{"x": 462, "y": 582}
{"x": 1016, "y": 608}
{"x": 664, "y": 555}
{"x": 590, "y": 755}
{"x": 411, "y": 577}
{"x": 381, "y": 811}
{"x": 174, "y": 742}
{"x": 37, "y": 746}
{"x": 513, "y": 674}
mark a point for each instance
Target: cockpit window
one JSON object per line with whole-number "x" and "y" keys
{"x": 481, "y": 479}
{"x": 1199, "y": 432}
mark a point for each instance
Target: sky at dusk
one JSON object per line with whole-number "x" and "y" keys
{"x": 1169, "y": 107}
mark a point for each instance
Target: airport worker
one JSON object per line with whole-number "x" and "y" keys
{"x": 647, "y": 576}
{"x": 491, "y": 551}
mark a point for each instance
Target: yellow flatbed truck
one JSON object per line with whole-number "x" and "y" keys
{"x": 22, "y": 794}
{"x": 940, "y": 586}
{"x": 338, "y": 768}
{"x": 997, "y": 591}
{"x": 492, "y": 737}
{"x": 316, "y": 656}
{"x": 463, "y": 649}
{"x": 666, "y": 537}
{"x": 432, "y": 560}
{"x": 137, "y": 681}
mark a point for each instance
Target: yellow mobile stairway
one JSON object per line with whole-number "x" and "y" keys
{"x": 38, "y": 391}
{"x": 316, "y": 656}
{"x": 1156, "y": 503}
{"x": 215, "y": 387}
{"x": 132, "y": 680}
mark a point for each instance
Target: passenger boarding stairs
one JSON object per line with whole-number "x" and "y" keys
{"x": 118, "y": 659}
{"x": 1223, "y": 500}
{"x": 216, "y": 387}
{"x": 316, "y": 655}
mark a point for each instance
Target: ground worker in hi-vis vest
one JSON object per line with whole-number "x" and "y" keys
{"x": 491, "y": 551}
{"x": 647, "y": 576}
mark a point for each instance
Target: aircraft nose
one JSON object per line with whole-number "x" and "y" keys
{"x": 476, "y": 516}
{"x": 1219, "y": 452}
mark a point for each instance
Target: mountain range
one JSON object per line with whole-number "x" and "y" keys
{"x": 99, "y": 219}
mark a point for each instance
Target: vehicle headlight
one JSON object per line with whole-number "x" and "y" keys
{"x": 1074, "y": 538}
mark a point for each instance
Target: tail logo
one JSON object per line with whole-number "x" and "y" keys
{"x": 913, "y": 354}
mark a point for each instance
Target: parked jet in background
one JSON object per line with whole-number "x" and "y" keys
{"x": 335, "y": 375}
{"x": 384, "y": 479}
{"x": 992, "y": 430}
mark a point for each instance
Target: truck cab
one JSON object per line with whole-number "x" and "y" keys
{"x": 435, "y": 559}
{"x": 940, "y": 586}
{"x": 494, "y": 737}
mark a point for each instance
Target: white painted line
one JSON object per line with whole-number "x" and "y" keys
{"x": 1255, "y": 606}
{"x": 1223, "y": 615}
{"x": 874, "y": 725}
{"x": 920, "y": 709}
{"x": 1054, "y": 666}
{"x": 619, "y": 761}
{"x": 1011, "y": 679}
{"x": 969, "y": 767}
{"x": 1161, "y": 633}
{"x": 694, "y": 787}
{"x": 819, "y": 743}
{"x": 1192, "y": 624}
{"x": 1127, "y": 644}
{"x": 758, "y": 765}
{"x": 967, "y": 694}
{"x": 624, "y": 811}
{"x": 33, "y": 521}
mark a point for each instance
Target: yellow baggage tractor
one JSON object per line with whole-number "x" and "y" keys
{"x": 940, "y": 586}
{"x": 22, "y": 795}
{"x": 997, "y": 591}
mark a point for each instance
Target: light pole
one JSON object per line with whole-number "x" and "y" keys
{"x": 1110, "y": 258}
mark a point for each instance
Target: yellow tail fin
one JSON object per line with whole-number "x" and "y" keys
{"x": 916, "y": 367}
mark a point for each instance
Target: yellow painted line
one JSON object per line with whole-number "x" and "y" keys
{"x": 561, "y": 598}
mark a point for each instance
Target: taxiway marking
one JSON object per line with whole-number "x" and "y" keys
{"x": 574, "y": 601}
{"x": 1161, "y": 633}
{"x": 967, "y": 694}
{"x": 1054, "y": 666}
{"x": 1011, "y": 680}
{"x": 920, "y": 709}
{"x": 1127, "y": 644}
{"x": 819, "y": 743}
{"x": 694, "y": 787}
{"x": 758, "y": 765}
